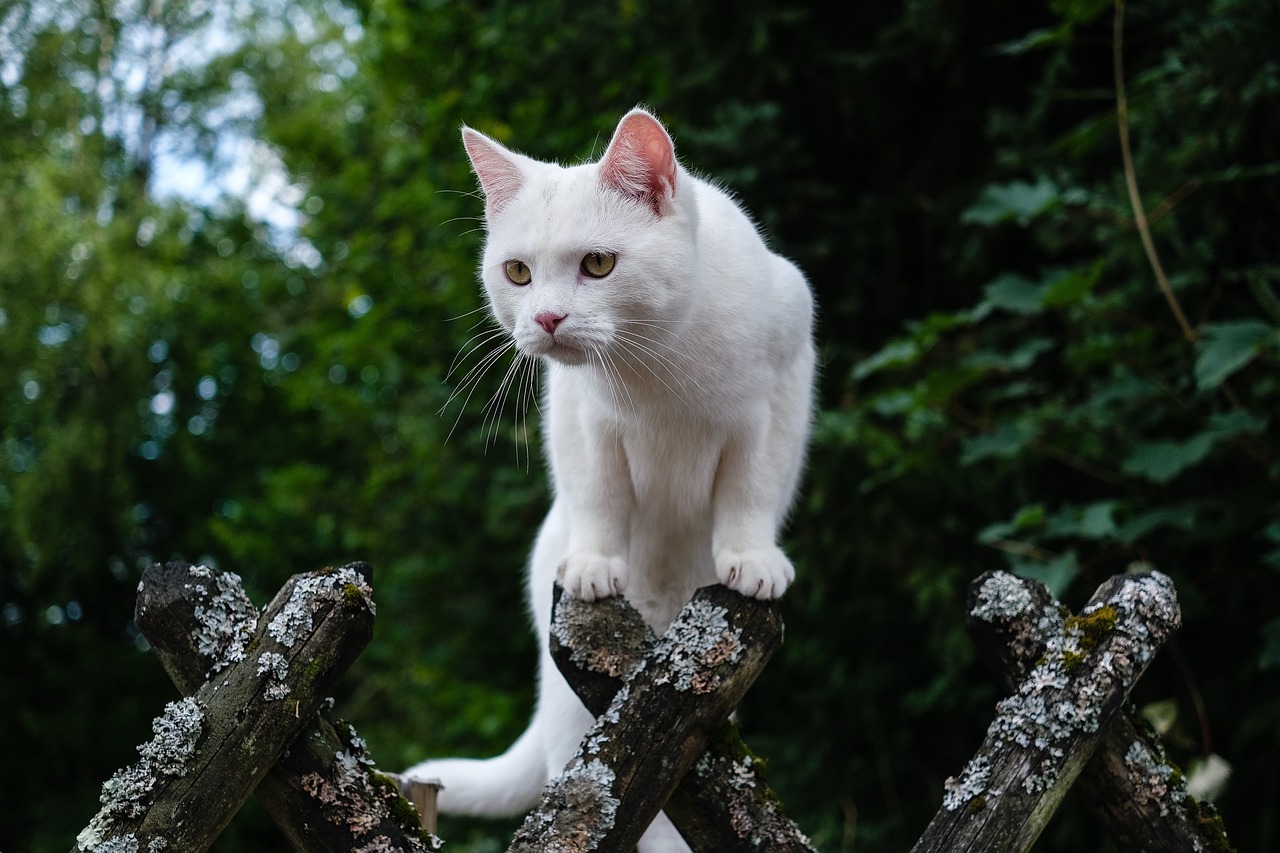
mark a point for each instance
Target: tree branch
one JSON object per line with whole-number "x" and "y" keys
{"x": 1131, "y": 179}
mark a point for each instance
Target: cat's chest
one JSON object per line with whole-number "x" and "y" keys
{"x": 672, "y": 466}
{"x": 669, "y": 450}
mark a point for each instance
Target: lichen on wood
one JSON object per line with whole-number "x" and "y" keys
{"x": 1128, "y": 783}
{"x": 1044, "y": 733}
{"x": 723, "y": 802}
{"x": 131, "y": 791}
{"x": 328, "y": 620}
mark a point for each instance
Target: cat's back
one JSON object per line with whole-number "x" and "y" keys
{"x": 754, "y": 286}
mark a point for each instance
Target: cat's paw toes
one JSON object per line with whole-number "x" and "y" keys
{"x": 592, "y": 576}
{"x": 756, "y": 572}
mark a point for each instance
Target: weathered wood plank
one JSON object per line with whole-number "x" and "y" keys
{"x": 268, "y": 677}
{"x": 656, "y": 726}
{"x": 323, "y": 794}
{"x": 1045, "y": 732}
{"x": 1135, "y": 792}
{"x": 723, "y": 804}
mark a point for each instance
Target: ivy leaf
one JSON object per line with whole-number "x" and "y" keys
{"x": 1018, "y": 201}
{"x": 1013, "y": 293}
{"x": 1003, "y": 442}
{"x": 1032, "y": 515}
{"x": 1020, "y": 359}
{"x": 1091, "y": 521}
{"x": 1161, "y": 461}
{"x": 1181, "y": 516}
{"x": 1272, "y": 533}
{"x": 1080, "y": 11}
{"x": 1067, "y": 287}
{"x": 1227, "y": 347}
{"x": 1034, "y": 40}
{"x": 897, "y": 353}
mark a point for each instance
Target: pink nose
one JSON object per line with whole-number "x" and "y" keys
{"x": 549, "y": 320}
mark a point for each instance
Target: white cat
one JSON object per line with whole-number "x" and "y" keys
{"x": 679, "y": 374}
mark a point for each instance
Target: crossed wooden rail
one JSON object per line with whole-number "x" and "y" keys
{"x": 255, "y": 719}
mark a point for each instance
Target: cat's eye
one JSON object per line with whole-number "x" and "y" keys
{"x": 517, "y": 272}
{"x": 598, "y": 264}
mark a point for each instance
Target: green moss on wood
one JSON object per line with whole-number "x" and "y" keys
{"x": 1091, "y": 629}
{"x": 352, "y": 595}
{"x": 1209, "y": 826}
{"x": 402, "y": 811}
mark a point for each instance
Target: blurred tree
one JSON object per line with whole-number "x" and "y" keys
{"x": 135, "y": 385}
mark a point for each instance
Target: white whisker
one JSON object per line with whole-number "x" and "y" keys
{"x": 471, "y": 381}
{"x": 644, "y": 352}
{"x": 614, "y": 377}
{"x": 493, "y": 408}
{"x": 529, "y": 391}
{"x": 474, "y": 343}
{"x": 482, "y": 309}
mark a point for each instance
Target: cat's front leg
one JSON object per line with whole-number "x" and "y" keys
{"x": 755, "y": 480}
{"x": 593, "y": 478}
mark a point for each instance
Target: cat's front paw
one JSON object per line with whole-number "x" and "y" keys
{"x": 592, "y": 576}
{"x": 757, "y": 572}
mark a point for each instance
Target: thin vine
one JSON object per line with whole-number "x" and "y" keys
{"x": 1131, "y": 180}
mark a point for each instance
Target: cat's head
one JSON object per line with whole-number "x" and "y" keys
{"x": 588, "y": 263}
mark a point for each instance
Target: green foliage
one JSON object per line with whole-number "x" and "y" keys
{"x": 1066, "y": 395}
{"x": 1003, "y": 380}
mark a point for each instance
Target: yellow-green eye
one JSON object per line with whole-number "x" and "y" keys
{"x": 517, "y": 272}
{"x": 598, "y": 264}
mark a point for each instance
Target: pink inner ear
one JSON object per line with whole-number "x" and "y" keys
{"x": 641, "y": 161}
{"x": 496, "y": 168}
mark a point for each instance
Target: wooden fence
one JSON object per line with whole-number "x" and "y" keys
{"x": 255, "y": 720}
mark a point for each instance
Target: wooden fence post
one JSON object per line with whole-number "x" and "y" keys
{"x": 268, "y": 675}
{"x": 256, "y": 684}
{"x": 1132, "y": 788}
{"x": 656, "y": 727}
{"x": 723, "y": 804}
{"x": 1044, "y": 733}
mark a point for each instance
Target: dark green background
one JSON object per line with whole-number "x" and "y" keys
{"x": 1002, "y": 382}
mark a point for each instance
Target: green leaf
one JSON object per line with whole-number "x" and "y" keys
{"x": 1080, "y": 11}
{"x": 1020, "y": 359}
{"x": 1181, "y": 516}
{"x": 1032, "y": 515}
{"x": 1067, "y": 287}
{"x": 1272, "y": 532}
{"x": 1015, "y": 294}
{"x": 1227, "y": 347}
{"x": 1091, "y": 521}
{"x": 1161, "y": 461}
{"x": 1034, "y": 40}
{"x": 1018, "y": 201}
{"x": 1003, "y": 442}
{"x": 897, "y": 353}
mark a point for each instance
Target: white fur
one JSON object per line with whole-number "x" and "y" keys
{"x": 677, "y": 406}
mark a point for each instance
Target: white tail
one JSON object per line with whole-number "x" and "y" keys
{"x": 509, "y": 784}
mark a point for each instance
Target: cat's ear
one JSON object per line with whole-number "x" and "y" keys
{"x": 640, "y": 162}
{"x": 497, "y": 169}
